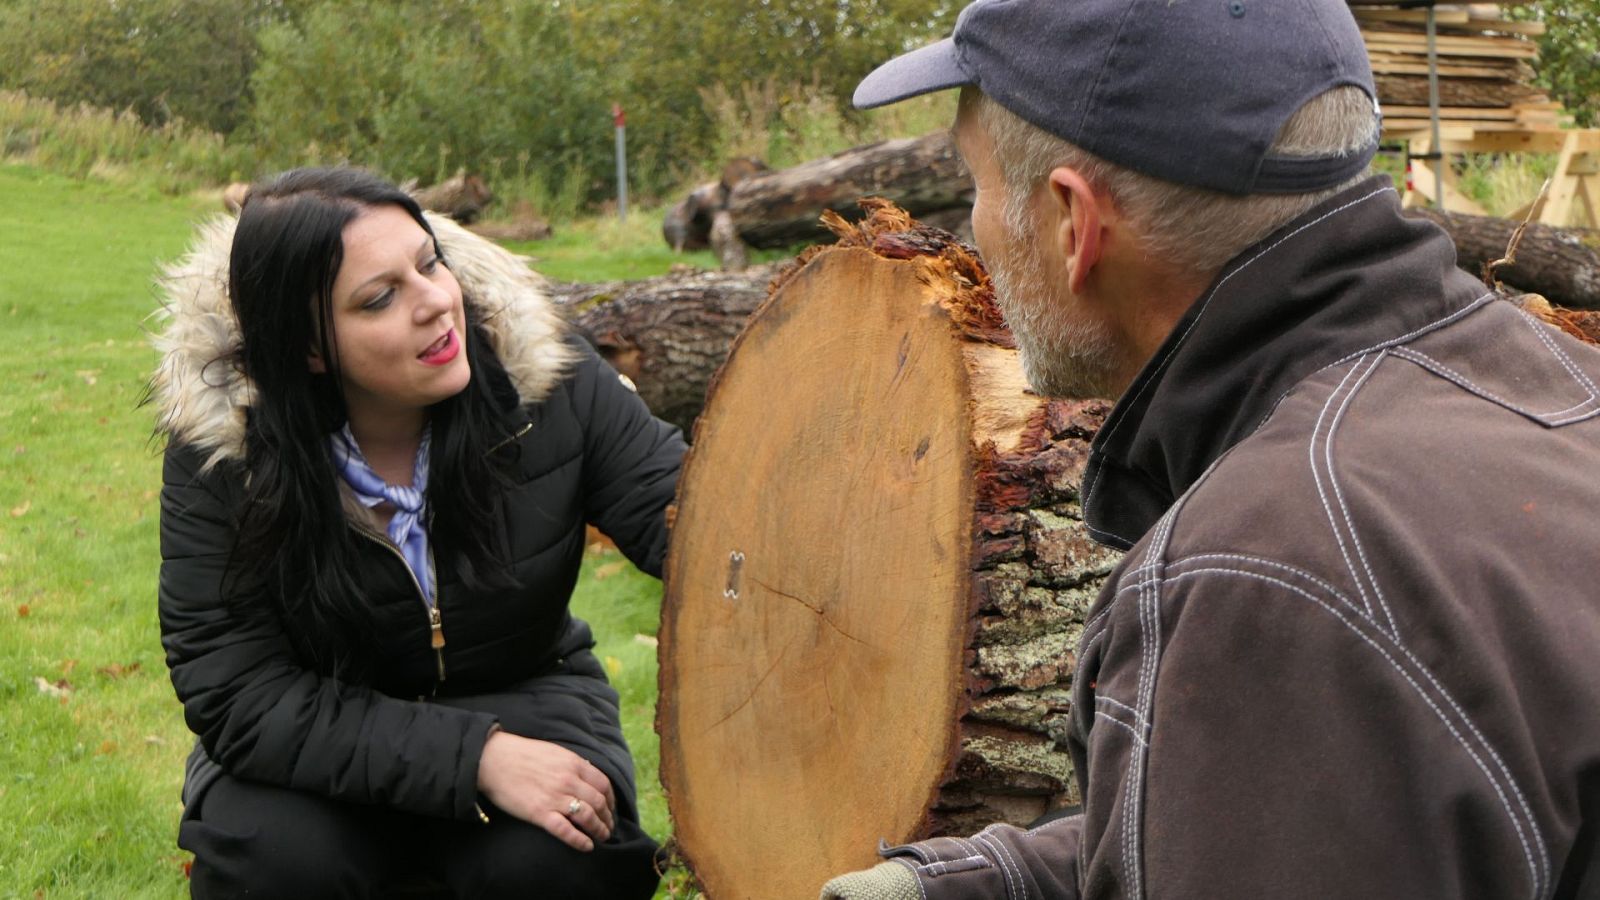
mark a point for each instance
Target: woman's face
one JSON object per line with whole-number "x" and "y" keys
{"x": 397, "y": 318}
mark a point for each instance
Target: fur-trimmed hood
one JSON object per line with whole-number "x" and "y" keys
{"x": 201, "y": 398}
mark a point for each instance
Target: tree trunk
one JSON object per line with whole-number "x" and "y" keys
{"x": 780, "y": 209}
{"x": 1563, "y": 264}
{"x": 732, "y": 253}
{"x": 667, "y": 334}
{"x": 461, "y": 197}
{"x": 687, "y": 225}
{"x": 877, "y": 575}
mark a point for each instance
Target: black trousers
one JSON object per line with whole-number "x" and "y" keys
{"x": 253, "y": 840}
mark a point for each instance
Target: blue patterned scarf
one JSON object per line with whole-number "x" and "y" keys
{"x": 405, "y": 528}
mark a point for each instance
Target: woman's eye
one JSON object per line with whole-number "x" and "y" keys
{"x": 428, "y": 267}
{"x": 379, "y": 302}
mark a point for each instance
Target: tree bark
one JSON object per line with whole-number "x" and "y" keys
{"x": 667, "y": 334}
{"x": 1563, "y": 264}
{"x": 878, "y": 574}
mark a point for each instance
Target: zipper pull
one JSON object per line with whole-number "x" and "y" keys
{"x": 436, "y": 627}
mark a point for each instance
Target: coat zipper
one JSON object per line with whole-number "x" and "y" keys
{"x": 526, "y": 427}
{"x": 435, "y": 618}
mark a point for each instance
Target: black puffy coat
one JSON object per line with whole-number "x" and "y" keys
{"x": 410, "y": 735}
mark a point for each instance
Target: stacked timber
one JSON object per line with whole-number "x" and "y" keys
{"x": 1484, "y": 63}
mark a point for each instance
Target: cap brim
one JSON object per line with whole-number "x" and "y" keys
{"x": 935, "y": 67}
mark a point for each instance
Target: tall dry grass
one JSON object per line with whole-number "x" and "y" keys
{"x": 88, "y": 142}
{"x": 787, "y": 124}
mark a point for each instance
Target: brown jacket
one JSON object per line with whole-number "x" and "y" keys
{"x": 1356, "y": 651}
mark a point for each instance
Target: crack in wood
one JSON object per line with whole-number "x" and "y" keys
{"x": 754, "y": 689}
{"x": 815, "y": 609}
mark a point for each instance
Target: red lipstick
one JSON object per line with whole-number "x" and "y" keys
{"x": 442, "y": 351}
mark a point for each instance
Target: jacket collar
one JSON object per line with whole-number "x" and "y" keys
{"x": 1349, "y": 276}
{"x": 202, "y": 398}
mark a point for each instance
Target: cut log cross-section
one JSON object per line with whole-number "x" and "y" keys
{"x": 877, "y": 575}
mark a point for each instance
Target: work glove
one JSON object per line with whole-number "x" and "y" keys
{"x": 884, "y": 881}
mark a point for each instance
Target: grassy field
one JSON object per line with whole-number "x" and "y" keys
{"x": 94, "y": 741}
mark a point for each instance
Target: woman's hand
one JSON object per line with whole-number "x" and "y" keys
{"x": 537, "y": 781}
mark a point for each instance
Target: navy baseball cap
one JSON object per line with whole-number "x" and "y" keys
{"x": 1191, "y": 91}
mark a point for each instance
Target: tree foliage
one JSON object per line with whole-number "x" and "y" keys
{"x": 521, "y": 90}
{"x": 162, "y": 59}
{"x": 1569, "y": 54}
{"x": 417, "y": 88}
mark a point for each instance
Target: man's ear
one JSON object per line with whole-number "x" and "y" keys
{"x": 1079, "y": 232}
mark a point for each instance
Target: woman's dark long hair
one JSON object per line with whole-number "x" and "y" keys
{"x": 295, "y": 550}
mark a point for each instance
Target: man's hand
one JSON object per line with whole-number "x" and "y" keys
{"x": 549, "y": 786}
{"x": 884, "y": 881}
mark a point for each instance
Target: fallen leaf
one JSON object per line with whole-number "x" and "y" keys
{"x": 67, "y": 665}
{"x": 18, "y": 512}
{"x": 106, "y": 747}
{"x": 19, "y": 449}
{"x": 59, "y": 688}
{"x": 647, "y": 640}
{"x": 89, "y": 376}
{"x": 613, "y": 665}
{"x": 23, "y": 610}
{"x": 601, "y": 573}
{"x": 188, "y": 866}
{"x": 118, "y": 670}
{"x": 155, "y": 740}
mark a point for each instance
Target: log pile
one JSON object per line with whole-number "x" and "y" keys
{"x": 1485, "y": 76}
{"x": 873, "y": 598}
{"x": 670, "y": 333}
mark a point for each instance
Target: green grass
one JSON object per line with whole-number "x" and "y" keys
{"x": 610, "y": 249}
{"x": 89, "y": 781}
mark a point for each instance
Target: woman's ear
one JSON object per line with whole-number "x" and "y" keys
{"x": 315, "y": 364}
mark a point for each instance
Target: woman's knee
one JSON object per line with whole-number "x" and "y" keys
{"x": 259, "y": 841}
{"x": 520, "y": 860}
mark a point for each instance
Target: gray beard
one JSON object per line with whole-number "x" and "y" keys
{"x": 1060, "y": 357}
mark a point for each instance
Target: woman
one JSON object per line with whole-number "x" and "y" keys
{"x": 382, "y": 451}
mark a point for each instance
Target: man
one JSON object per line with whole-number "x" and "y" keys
{"x": 1354, "y": 648}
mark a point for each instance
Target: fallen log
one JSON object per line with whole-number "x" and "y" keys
{"x": 781, "y": 209}
{"x": 461, "y": 197}
{"x": 687, "y": 224}
{"x": 1562, "y": 264}
{"x": 667, "y": 334}
{"x": 877, "y": 575}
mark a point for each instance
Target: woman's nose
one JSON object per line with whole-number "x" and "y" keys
{"x": 436, "y": 301}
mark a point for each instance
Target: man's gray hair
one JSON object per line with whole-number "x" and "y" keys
{"x": 1187, "y": 227}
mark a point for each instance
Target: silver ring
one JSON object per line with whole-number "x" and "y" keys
{"x": 574, "y": 807}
